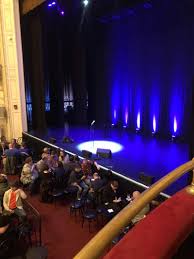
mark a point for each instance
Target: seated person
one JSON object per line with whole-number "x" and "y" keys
{"x": 62, "y": 157}
{"x": 12, "y": 151}
{"x": 46, "y": 186}
{"x": 14, "y": 143}
{"x": 59, "y": 170}
{"x": 76, "y": 179}
{"x": 12, "y": 201}
{"x": 3, "y": 188}
{"x": 96, "y": 184}
{"x": 86, "y": 167}
{"x": 26, "y": 175}
{"x": 143, "y": 212}
{"x": 52, "y": 160}
{"x": 41, "y": 165}
{"x": 111, "y": 197}
{"x": 70, "y": 165}
{"x": 24, "y": 150}
{"x": 5, "y": 234}
{"x": 46, "y": 152}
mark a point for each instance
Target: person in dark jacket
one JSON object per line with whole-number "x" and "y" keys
{"x": 3, "y": 188}
{"x": 76, "y": 179}
{"x": 112, "y": 197}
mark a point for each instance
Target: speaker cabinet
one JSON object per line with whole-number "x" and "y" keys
{"x": 86, "y": 154}
{"x": 104, "y": 153}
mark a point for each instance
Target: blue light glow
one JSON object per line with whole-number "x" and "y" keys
{"x": 92, "y": 146}
{"x": 138, "y": 120}
{"x": 126, "y": 117}
{"x": 175, "y": 125}
{"x": 85, "y": 2}
{"x": 115, "y": 115}
{"x": 154, "y": 124}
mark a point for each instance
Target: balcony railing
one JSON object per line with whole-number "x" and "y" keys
{"x": 98, "y": 245}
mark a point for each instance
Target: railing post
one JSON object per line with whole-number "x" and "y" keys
{"x": 190, "y": 188}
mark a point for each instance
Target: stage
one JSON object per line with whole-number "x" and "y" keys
{"x": 131, "y": 153}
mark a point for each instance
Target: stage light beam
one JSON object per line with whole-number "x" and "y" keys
{"x": 175, "y": 125}
{"x": 92, "y": 146}
{"x": 154, "y": 124}
{"x": 138, "y": 121}
{"x": 85, "y": 2}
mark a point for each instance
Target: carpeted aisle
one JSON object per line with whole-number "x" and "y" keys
{"x": 161, "y": 233}
{"x": 61, "y": 234}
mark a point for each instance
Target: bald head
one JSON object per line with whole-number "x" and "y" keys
{"x": 136, "y": 195}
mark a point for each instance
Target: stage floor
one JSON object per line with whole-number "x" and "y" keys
{"x": 154, "y": 157}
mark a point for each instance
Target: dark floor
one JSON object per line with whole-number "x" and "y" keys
{"x": 62, "y": 234}
{"x": 153, "y": 156}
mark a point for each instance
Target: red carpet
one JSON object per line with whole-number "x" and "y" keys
{"x": 160, "y": 234}
{"x": 61, "y": 234}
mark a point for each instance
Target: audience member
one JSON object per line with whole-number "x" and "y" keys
{"x": 26, "y": 175}
{"x": 59, "y": 170}
{"x": 76, "y": 180}
{"x": 143, "y": 212}
{"x": 46, "y": 186}
{"x": 112, "y": 197}
{"x": 12, "y": 200}
{"x": 96, "y": 184}
{"x": 41, "y": 165}
{"x": 24, "y": 150}
{"x": 12, "y": 151}
{"x": 3, "y": 188}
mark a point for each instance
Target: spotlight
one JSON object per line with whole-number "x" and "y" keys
{"x": 138, "y": 123}
{"x": 175, "y": 127}
{"x": 62, "y": 12}
{"x": 85, "y": 2}
{"x": 154, "y": 126}
{"x": 124, "y": 126}
{"x": 52, "y": 4}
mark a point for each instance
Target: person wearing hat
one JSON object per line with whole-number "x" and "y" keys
{"x": 12, "y": 201}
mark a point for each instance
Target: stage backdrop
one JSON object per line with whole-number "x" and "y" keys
{"x": 141, "y": 67}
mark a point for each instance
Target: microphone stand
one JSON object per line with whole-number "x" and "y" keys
{"x": 92, "y": 133}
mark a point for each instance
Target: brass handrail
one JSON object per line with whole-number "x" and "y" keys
{"x": 95, "y": 248}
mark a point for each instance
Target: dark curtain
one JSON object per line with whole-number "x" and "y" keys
{"x": 142, "y": 63}
{"x": 33, "y": 66}
{"x": 54, "y": 61}
{"x": 54, "y": 66}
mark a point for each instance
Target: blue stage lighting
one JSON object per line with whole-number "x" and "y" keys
{"x": 51, "y": 4}
{"x": 138, "y": 122}
{"x": 154, "y": 125}
{"x": 126, "y": 117}
{"x": 114, "y": 117}
{"x": 92, "y": 146}
{"x": 175, "y": 125}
